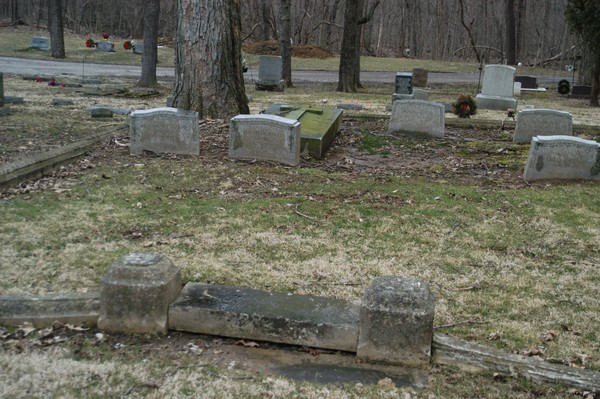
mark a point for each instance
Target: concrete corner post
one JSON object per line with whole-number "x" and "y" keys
{"x": 136, "y": 293}
{"x": 396, "y": 322}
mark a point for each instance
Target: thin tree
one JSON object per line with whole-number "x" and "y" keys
{"x": 150, "y": 52}
{"x": 583, "y": 17}
{"x": 208, "y": 59}
{"x": 55, "y": 28}
{"x": 510, "y": 39}
{"x": 349, "y": 70}
{"x": 285, "y": 45}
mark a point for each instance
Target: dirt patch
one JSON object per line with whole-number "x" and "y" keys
{"x": 272, "y": 48}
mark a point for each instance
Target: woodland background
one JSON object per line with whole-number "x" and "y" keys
{"x": 425, "y": 29}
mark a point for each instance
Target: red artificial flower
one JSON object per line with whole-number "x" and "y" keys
{"x": 105, "y": 35}
{"x": 127, "y": 45}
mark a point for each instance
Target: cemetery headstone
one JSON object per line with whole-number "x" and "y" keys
{"x": 40, "y": 43}
{"x": 498, "y": 88}
{"x": 106, "y": 47}
{"x": 417, "y": 118}
{"x": 421, "y": 94}
{"x": 270, "y": 73}
{"x": 527, "y": 82}
{"x": 136, "y": 293}
{"x": 266, "y": 138}
{"x": 62, "y": 102}
{"x": 420, "y": 77}
{"x": 542, "y": 122}
{"x": 165, "y": 130}
{"x": 403, "y": 89}
{"x": 319, "y": 125}
{"x": 581, "y": 91}
{"x": 517, "y": 89}
{"x": 138, "y": 48}
{"x": 396, "y": 322}
{"x": 562, "y": 157}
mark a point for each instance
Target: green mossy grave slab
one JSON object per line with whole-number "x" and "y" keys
{"x": 319, "y": 125}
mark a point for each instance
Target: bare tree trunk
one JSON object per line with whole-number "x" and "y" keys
{"x": 150, "y": 52}
{"x": 55, "y": 28}
{"x": 511, "y": 51}
{"x": 208, "y": 68}
{"x": 595, "y": 82}
{"x": 285, "y": 46}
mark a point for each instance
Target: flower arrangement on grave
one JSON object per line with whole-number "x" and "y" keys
{"x": 511, "y": 113}
{"x": 465, "y": 106}
{"x": 128, "y": 45}
{"x": 90, "y": 43}
{"x": 105, "y": 35}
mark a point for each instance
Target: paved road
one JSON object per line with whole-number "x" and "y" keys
{"x": 57, "y": 68}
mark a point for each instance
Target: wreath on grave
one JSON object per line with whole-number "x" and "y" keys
{"x": 127, "y": 45}
{"x": 464, "y": 106}
{"x": 90, "y": 43}
{"x": 105, "y": 35}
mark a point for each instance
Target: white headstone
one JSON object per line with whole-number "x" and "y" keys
{"x": 165, "y": 130}
{"x": 270, "y": 73}
{"x": 542, "y": 122}
{"x": 497, "y": 90}
{"x": 266, "y": 138}
{"x": 417, "y": 118}
{"x": 40, "y": 43}
{"x": 562, "y": 157}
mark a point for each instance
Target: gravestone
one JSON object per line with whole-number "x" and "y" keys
{"x": 562, "y": 157}
{"x": 498, "y": 88}
{"x": 138, "y": 48}
{"x": 165, "y": 130}
{"x": 136, "y": 293}
{"x": 106, "y": 47}
{"x": 581, "y": 91}
{"x": 421, "y": 94}
{"x": 266, "y": 138}
{"x": 319, "y": 125}
{"x": 40, "y": 43}
{"x": 542, "y": 122}
{"x": 403, "y": 89}
{"x": 396, "y": 322}
{"x": 420, "y": 77}
{"x": 517, "y": 89}
{"x": 527, "y": 82}
{"x": 269, "y": 74}
{"x": 417, "y": 118}
{"x": 60, "y": 102}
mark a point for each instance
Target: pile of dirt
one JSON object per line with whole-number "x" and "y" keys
{"x": 272, "y": 48}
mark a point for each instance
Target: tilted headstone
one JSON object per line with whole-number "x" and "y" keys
{"x": 270, "y": 73}
{"x": 136, "y": 293}
{"x": 417, "y": 118}
{"x": 106, "y": 47}
{"x": 581, "y": 91}
{"x": 542, "y": 122}
{"x": 319, "y": 125}
{"x": 527, "y": 82}
{"x": 165, "y": 130}
{"x": 40, "y": 43}
{"x": 266, "y": 138}
{"x": 497, "y": 90}
{"x": 396, "y": 322}
{"x": 420, "y": 77}
{"x": 562, "y": 157}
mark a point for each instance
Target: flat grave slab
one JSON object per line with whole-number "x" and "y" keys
{"x": 319, "y": 125}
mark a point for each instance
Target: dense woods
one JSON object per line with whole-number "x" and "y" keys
{"x": 432, "y": 29}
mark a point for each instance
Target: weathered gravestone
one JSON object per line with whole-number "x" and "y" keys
{"x": 106, "y": 47}
{"x": 517, "y": 89}
{"x": 396, "y": 322}
{"x": 498, "y": 88}
{"x": 40, "y": 43}
{"x": 138, "y": 48}
{"x": 420, "y": 77}
{"x": 581, "y": 91}
{"x": 269, "y": 73}
{"x": 562, "y": 157}
{"x": 420, "y": 94}
{"x": 403, "y": 89}
{"x": 417, "y": 118}
{"x": 319, "y": 125}
{"x": 136, "y": 293}
{"x": 266, "y": 138}
{"x": 165, "y": 130}
{"x": 542, "y": 122}
{"x": 527, "y": 82}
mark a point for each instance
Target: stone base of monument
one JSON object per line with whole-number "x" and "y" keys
{"x": 396, "y": 97}
{"x": 495, "y": 102}
{"x": 269, "y": 85}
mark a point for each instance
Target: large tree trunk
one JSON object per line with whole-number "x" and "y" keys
{"x": 595, "y": 82}
{"x": 285, "y": 46}
{"x": 55, "y": 28}
{"x": 511, "y": 42}
{"x": 350, "y": 51}
{"x": 209, "y": 77}
{"x": 150, "y": 53}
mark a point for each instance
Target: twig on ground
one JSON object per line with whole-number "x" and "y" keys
{"x": 460, "y": 323}
{"x": 302, "y": 214}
